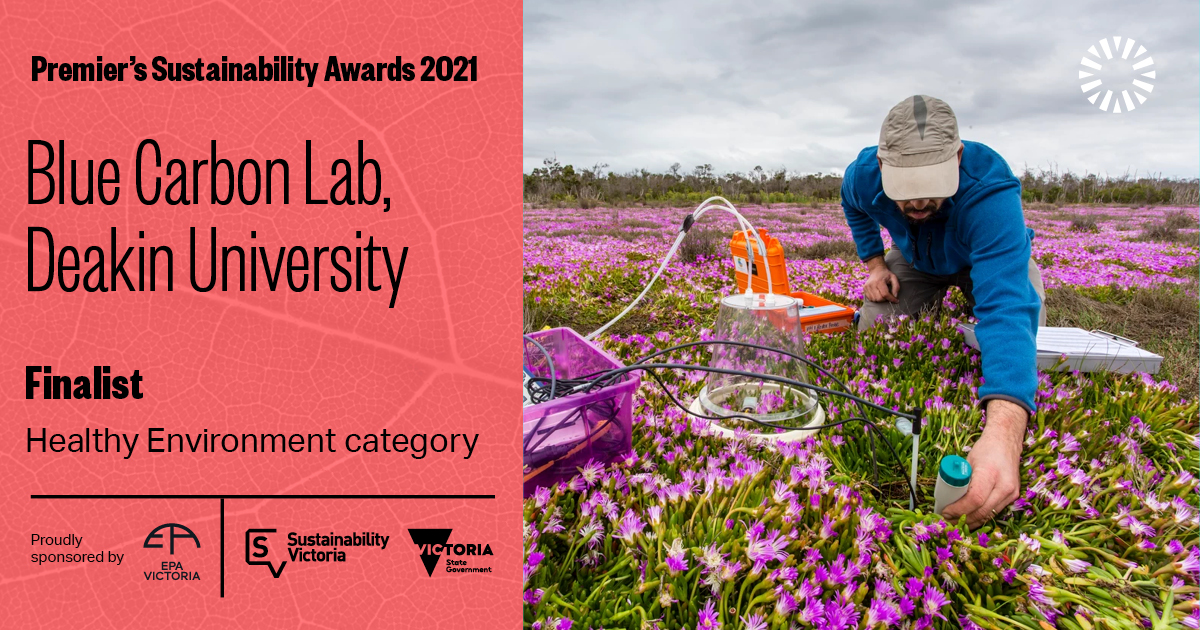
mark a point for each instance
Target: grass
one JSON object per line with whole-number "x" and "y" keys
{"x": 1164, "y": 320}
{"x": 821, "y": 250}
{"x": 535, "y": 315}
{"x": 1069, "y": 214}
{"x": 565, "y": 232}
{"x": 613, "y": 232}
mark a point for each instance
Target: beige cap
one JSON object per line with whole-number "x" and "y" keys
{"x": 918, "y": 146}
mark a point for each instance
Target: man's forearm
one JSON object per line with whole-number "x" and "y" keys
{"x": 1007, "y": 420}
{"x": 875, "y": 262}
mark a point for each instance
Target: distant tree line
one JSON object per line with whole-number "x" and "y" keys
{"x": 558, "y": 185}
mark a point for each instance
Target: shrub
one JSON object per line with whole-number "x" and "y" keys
{"x": 1158, "y": 232}
{"x": 821, "y": 250}
{"x": 1179, "y": 220}
{"x": 700, "y": 244}
{"x": 1168, "y": 230}
{"x": 1084, "y": 223}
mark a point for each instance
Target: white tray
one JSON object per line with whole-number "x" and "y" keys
{"x": 809, "y": 311}
{"x": 1085, "y": 351}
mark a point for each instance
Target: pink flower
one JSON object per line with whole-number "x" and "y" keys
{"x": 840, "y": 617}
{"x": 631, "y": 525}
{"x": 1139, "y": 528}
{"x": 708, "y": 618}
{"x": 532, "y": 596}
{"x": 813, "y": 612}
{"x": 913, "y": 588}
{"x": 920, "y": 532}
{"x": 934, "y": 602}
{"x": 1037, "y": 593}
{"x": 1190, "y": 565}
{"x": 785, "y": 602}
{"x": 1077, "y": 566}
{"x": 882, "y": 613}
{"x": 966, "y": 624}
{"x": 827, "y": 530}
{"x": 754, "y": 622}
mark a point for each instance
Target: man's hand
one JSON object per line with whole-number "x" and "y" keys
{"x": 882, "y": 284}
{"x": 995, "y": 465}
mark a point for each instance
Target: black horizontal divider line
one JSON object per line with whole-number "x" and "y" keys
{"x": 222, "y": 498}
{"x": 262, "y": 496}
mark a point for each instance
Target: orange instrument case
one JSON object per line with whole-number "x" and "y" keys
{"x": 838, "y": 318}
{"x": 829, "y": 317}
{"x": 756, "y": 271}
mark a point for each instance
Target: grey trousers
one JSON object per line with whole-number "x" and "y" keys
{"x": 921, "y": 291}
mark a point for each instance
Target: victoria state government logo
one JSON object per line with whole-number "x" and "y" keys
{"x": 460, "y": 558}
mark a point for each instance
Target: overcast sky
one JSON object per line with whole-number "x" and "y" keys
{"x": 806, "y": 84}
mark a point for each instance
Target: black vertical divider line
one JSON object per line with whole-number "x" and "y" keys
{"x": 222, "y": 546}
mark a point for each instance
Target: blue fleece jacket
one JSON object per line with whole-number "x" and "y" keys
{"x": 982, "y": 228}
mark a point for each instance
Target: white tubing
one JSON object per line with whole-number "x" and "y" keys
{"x": 663, "y": 266}
{"x": 916, "y": 437}
{"x": 747, "y": 228}
{"x": 708, "y": 204}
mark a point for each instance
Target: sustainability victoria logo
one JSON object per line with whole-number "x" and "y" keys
{"x": 434, "y": 543}
{"x": 317, "y": 547}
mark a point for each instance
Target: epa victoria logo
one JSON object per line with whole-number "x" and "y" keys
{"x": 171, "y": 569}
{"x": 460, "y": 557}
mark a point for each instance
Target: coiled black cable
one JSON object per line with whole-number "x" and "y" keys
{"x": 870, "y": 425}
{"x": 549, "y": 362}
{"x": 603, "y": 379}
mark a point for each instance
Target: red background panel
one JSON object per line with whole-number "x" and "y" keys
{"x": 443, "y": 360}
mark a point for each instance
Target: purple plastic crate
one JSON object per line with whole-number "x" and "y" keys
{"x": 563, "y": 434}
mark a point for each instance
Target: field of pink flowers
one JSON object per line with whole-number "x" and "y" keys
{"x": 582, "y": 247}
{"x": 693, "y": 530}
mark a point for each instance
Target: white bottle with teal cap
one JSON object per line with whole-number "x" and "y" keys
{"x": 954, "y": 476}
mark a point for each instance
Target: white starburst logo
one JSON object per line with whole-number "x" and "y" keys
{"x": 1122, "y": 66}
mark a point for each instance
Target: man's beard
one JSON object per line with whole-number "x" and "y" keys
{"x": 933, "y": 213}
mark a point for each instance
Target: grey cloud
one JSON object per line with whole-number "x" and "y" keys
{"x": 806, "y": 85}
